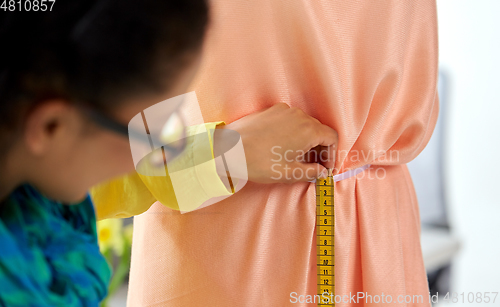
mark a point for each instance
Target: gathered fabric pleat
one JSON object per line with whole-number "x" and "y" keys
{"x": 368, "y": 69}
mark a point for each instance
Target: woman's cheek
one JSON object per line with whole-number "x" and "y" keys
{"x": 119, "y": 157}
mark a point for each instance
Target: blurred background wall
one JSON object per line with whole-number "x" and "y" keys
{"x": 469, "y": 34}
{"x": 469, "y": 42}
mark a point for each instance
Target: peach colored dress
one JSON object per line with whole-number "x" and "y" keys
{"x": 366, "y": 68}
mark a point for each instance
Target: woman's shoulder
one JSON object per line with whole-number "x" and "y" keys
{"x": 26, "y": 204}
{"x": 42, "y": 236}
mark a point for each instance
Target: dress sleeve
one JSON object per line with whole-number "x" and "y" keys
{"x": 134, "y": 193}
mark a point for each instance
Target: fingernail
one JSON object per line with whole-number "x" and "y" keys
{"x": 324, "y": 173}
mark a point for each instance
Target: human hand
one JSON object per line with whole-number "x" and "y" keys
{"x": 283, "y": 144}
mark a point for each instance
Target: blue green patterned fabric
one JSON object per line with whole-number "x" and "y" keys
{"x": 49, "y": 254}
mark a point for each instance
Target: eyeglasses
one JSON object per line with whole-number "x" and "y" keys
{"x": 155, "y": 139}
{"x": 161, "y": 147}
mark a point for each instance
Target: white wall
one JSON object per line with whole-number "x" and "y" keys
{"x": 469, "y": 34}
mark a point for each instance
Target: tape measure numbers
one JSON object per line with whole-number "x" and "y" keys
{"x": 325, "y": 239}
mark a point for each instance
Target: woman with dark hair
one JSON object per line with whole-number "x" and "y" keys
{"x": 114, "y": 57}
{"x": 70, "y": 79}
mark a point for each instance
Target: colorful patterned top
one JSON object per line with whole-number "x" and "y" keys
{"x": 48, "y": 252}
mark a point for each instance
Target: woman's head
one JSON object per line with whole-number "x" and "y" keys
{"x": 118, "y": 57}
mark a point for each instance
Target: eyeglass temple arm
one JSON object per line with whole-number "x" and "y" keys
{"x": 110, "y": 124}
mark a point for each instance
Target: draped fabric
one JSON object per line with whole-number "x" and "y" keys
{"x": 368, "y": 69}
{"x": 49, "y": 254}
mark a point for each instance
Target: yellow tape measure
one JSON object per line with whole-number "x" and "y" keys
{"x": 325, "y": 240}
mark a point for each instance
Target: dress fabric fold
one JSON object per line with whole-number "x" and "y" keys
{"x": 368, "y": 69}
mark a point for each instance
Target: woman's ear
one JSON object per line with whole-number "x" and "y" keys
{"x": 45, "y": 125}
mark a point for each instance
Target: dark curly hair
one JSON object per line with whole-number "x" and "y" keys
{"x": 95, "y": 51}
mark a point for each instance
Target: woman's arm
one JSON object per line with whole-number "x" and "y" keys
{"x": 274, "y": 142}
